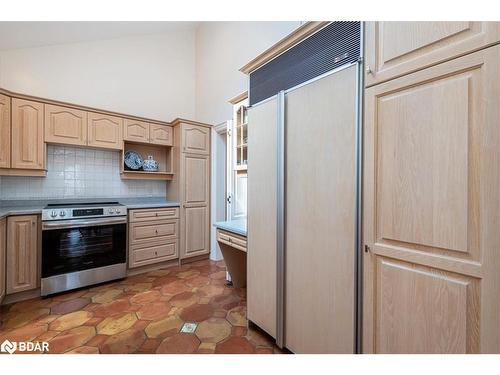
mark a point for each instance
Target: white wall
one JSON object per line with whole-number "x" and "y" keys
{"x": 222, "y": 48}
{"x": 151, "y": 76}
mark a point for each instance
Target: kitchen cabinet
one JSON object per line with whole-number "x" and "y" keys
{"x": 134, "y": 130}
{"x": 65, "y": 125}
{"x": 3, "y": 243}
{"x": 397, "y": 48}
{"x": 105, "y": 131}
{"x": 192, "y": 186}
{"x": 140, "y": 131}
{"x": 161, "y": 135}
{"x": 262, "y": 206}
{"x": 195, "y": 139}
{"x": 430, "y": 221}
{"x": 4, "y": 131}
{"x": 196, "y": 231}
{"x": 196, "y": 186}
{"x": 22, "y": 253}
{"x": 153, "y": 236}
{"x": 27, "y": 147}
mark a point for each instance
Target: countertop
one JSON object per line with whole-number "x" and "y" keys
{"x": 33, "y": 207}
{"x": 238, "y": 226}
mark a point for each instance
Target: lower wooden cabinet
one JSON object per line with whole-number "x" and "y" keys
{"x": 2, "y": 258}
{"x": 153, "y": 239}
{"x": 196, "y": 231}
{"x": 430, "y": 215}
{"x": 22, "y": 253}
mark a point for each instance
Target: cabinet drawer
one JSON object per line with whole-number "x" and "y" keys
{"x": 145, "y": 231}
{"x": 153, "y": 214}
{"x": 231, "y": 239}
{"x": 160, "y": 252}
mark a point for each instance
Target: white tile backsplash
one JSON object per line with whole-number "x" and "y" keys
{"x": 74, "y": 172}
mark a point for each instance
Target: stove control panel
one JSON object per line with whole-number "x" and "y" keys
{"x": 75, "y": 212}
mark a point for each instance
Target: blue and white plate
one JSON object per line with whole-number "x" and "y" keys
{"x": 133, "y": 160}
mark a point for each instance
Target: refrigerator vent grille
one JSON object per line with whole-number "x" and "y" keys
{"x": 335, "y": 45}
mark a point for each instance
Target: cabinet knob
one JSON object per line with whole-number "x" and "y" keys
{"x": 367, "y": 249}
{"x": 368, "y": 69}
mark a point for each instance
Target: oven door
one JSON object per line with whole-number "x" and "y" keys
{"x": 81, "y": 244}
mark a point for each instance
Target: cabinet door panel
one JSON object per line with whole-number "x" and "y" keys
{"x": 196, "y": 179}
{"x": 431, "y": 182}
{"x": 262, "y": 206}
{"x": 65, "y": 125}
{"x": 423, "y": 310}
{"x": 105, "y": 131}
{"x": 3, "y": 242}
{"x": 320, "y": 215}
{"x": 195, "y": 139}
{"x": 397, "y": 48}
{"x": 22, "y": 253}
{"x": 196, "y": 231}
{"x": 4, "y": 131}
{"x": 28, "y": 148}
{"x": 136, "y": 131}
{"x": 161, "y": 135}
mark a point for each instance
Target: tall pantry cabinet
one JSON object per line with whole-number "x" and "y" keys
{"x": 302, "y": 181}
{"x": 431, "y": 188}
{"x": 191, "y": 187}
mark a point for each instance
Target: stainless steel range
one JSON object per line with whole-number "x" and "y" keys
{"x": 82, "y": 244}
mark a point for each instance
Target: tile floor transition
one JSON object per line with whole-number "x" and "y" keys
{"x": 142, "y": 314}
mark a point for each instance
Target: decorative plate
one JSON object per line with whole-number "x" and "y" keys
{"x": 133, "y": 160}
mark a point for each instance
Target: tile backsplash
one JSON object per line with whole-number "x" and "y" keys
{"x": 74, "y": 172}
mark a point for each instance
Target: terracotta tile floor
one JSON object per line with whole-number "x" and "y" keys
{"x": 142, "y": 314}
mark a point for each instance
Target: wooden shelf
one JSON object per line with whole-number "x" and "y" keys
{"x": 161, "y": 153}
{"x": 142, "y": 175}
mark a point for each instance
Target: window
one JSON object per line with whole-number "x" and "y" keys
{"x": 237, "y": 160}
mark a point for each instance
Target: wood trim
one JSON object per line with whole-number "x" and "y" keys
{"x": 238, "y": 98}
{"x": 296, "y": 36}
{"x": 464, "y": 267}
{"x": 23, "y": 172}
{"x": 83, "y": 107}
{"x": 193, "y": 259}
{"x": 179, "y": 121}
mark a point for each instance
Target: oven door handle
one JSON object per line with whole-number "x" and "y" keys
{"x": 81, "y": 223}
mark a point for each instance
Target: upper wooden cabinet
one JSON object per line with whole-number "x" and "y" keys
{"x": 397, "y": 48}
{"x": 28, "y": 147}
{"x": 105, "y": 131}
{"x": 2, "y": 258}
{"x": 430, "y": 214}
{"x": 140, "y": 131}
{"x": 161, "y": 135}
{"x": 4, "y": 131}
{"x": 65, "y": 125}
{"x": 22, "y": 253}
{"x": 134, "y": 130}
{"x": 195, "y": 139}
